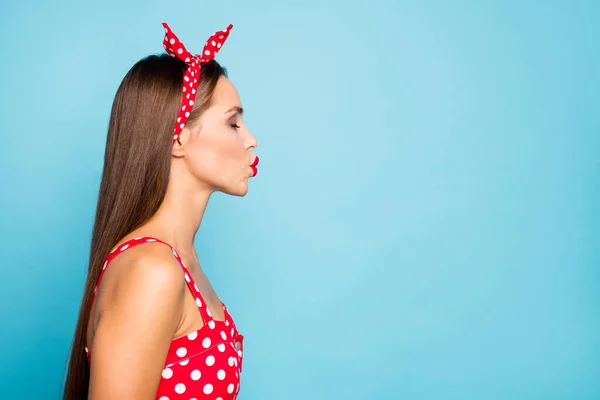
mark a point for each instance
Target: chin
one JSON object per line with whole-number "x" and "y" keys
{"x": 239, "y": 191}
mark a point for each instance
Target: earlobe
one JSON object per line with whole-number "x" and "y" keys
{"x": 177, "y": 149}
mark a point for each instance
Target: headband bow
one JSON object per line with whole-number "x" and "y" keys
{"x": 175, "y": 48}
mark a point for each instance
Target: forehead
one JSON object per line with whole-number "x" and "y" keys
{"x": 225, "y": 94}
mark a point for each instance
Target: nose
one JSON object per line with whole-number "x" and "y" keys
{"x": 251, "y": 141}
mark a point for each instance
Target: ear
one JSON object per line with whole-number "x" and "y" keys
{"x": 178, "y": 149}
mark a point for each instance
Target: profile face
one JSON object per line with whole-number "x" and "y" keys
{"x": 218, "y": 149}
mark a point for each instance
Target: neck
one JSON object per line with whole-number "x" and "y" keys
{"x": 179, "y": 217}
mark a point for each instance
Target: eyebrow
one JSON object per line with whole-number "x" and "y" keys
{"x": 237, "y": 109}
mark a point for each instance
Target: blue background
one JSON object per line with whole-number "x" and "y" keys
{"x": 425, "y": 223}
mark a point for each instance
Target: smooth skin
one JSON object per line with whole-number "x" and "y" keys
{"x": 143, "y": 302}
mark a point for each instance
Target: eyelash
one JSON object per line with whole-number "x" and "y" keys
{"x": 235, "y": 126}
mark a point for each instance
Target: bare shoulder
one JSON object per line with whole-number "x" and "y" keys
{"x": 140, "y": 309}
{"x": 148, "y": 267}
{"x": 143, "y": 281}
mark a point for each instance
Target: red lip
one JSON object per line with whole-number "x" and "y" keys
{"x": 253, "y": 166}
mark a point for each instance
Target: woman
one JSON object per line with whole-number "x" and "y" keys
{"x": 150, "y": 325}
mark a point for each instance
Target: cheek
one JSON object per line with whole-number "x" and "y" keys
{"x": 218, "y": 157}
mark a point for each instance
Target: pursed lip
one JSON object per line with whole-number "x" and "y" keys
{"x": 253, "y": 166}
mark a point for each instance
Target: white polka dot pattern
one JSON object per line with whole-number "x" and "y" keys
{"x": 202, "y": 365}
{"x": 175, "y": 48}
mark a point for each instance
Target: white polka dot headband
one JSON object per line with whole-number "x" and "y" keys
{"x": 175, "y": 48}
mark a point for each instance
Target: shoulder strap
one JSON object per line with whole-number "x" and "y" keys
{"x": 202, "y": 306}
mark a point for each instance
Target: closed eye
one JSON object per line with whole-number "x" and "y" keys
{"x": 236, "y": 126}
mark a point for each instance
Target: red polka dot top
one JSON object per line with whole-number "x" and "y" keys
{"x": 205, "y": 364}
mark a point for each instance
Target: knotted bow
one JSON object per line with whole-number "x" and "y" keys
{"x": 175, "y": 48}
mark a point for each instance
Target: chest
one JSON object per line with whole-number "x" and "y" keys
{"x": 206, "y": 364}
{"x": 204, "y": 286}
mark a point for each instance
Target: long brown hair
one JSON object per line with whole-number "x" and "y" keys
{"x": 137, "y": 161}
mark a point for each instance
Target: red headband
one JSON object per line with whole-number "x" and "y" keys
{"x": 175, "y": 48}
